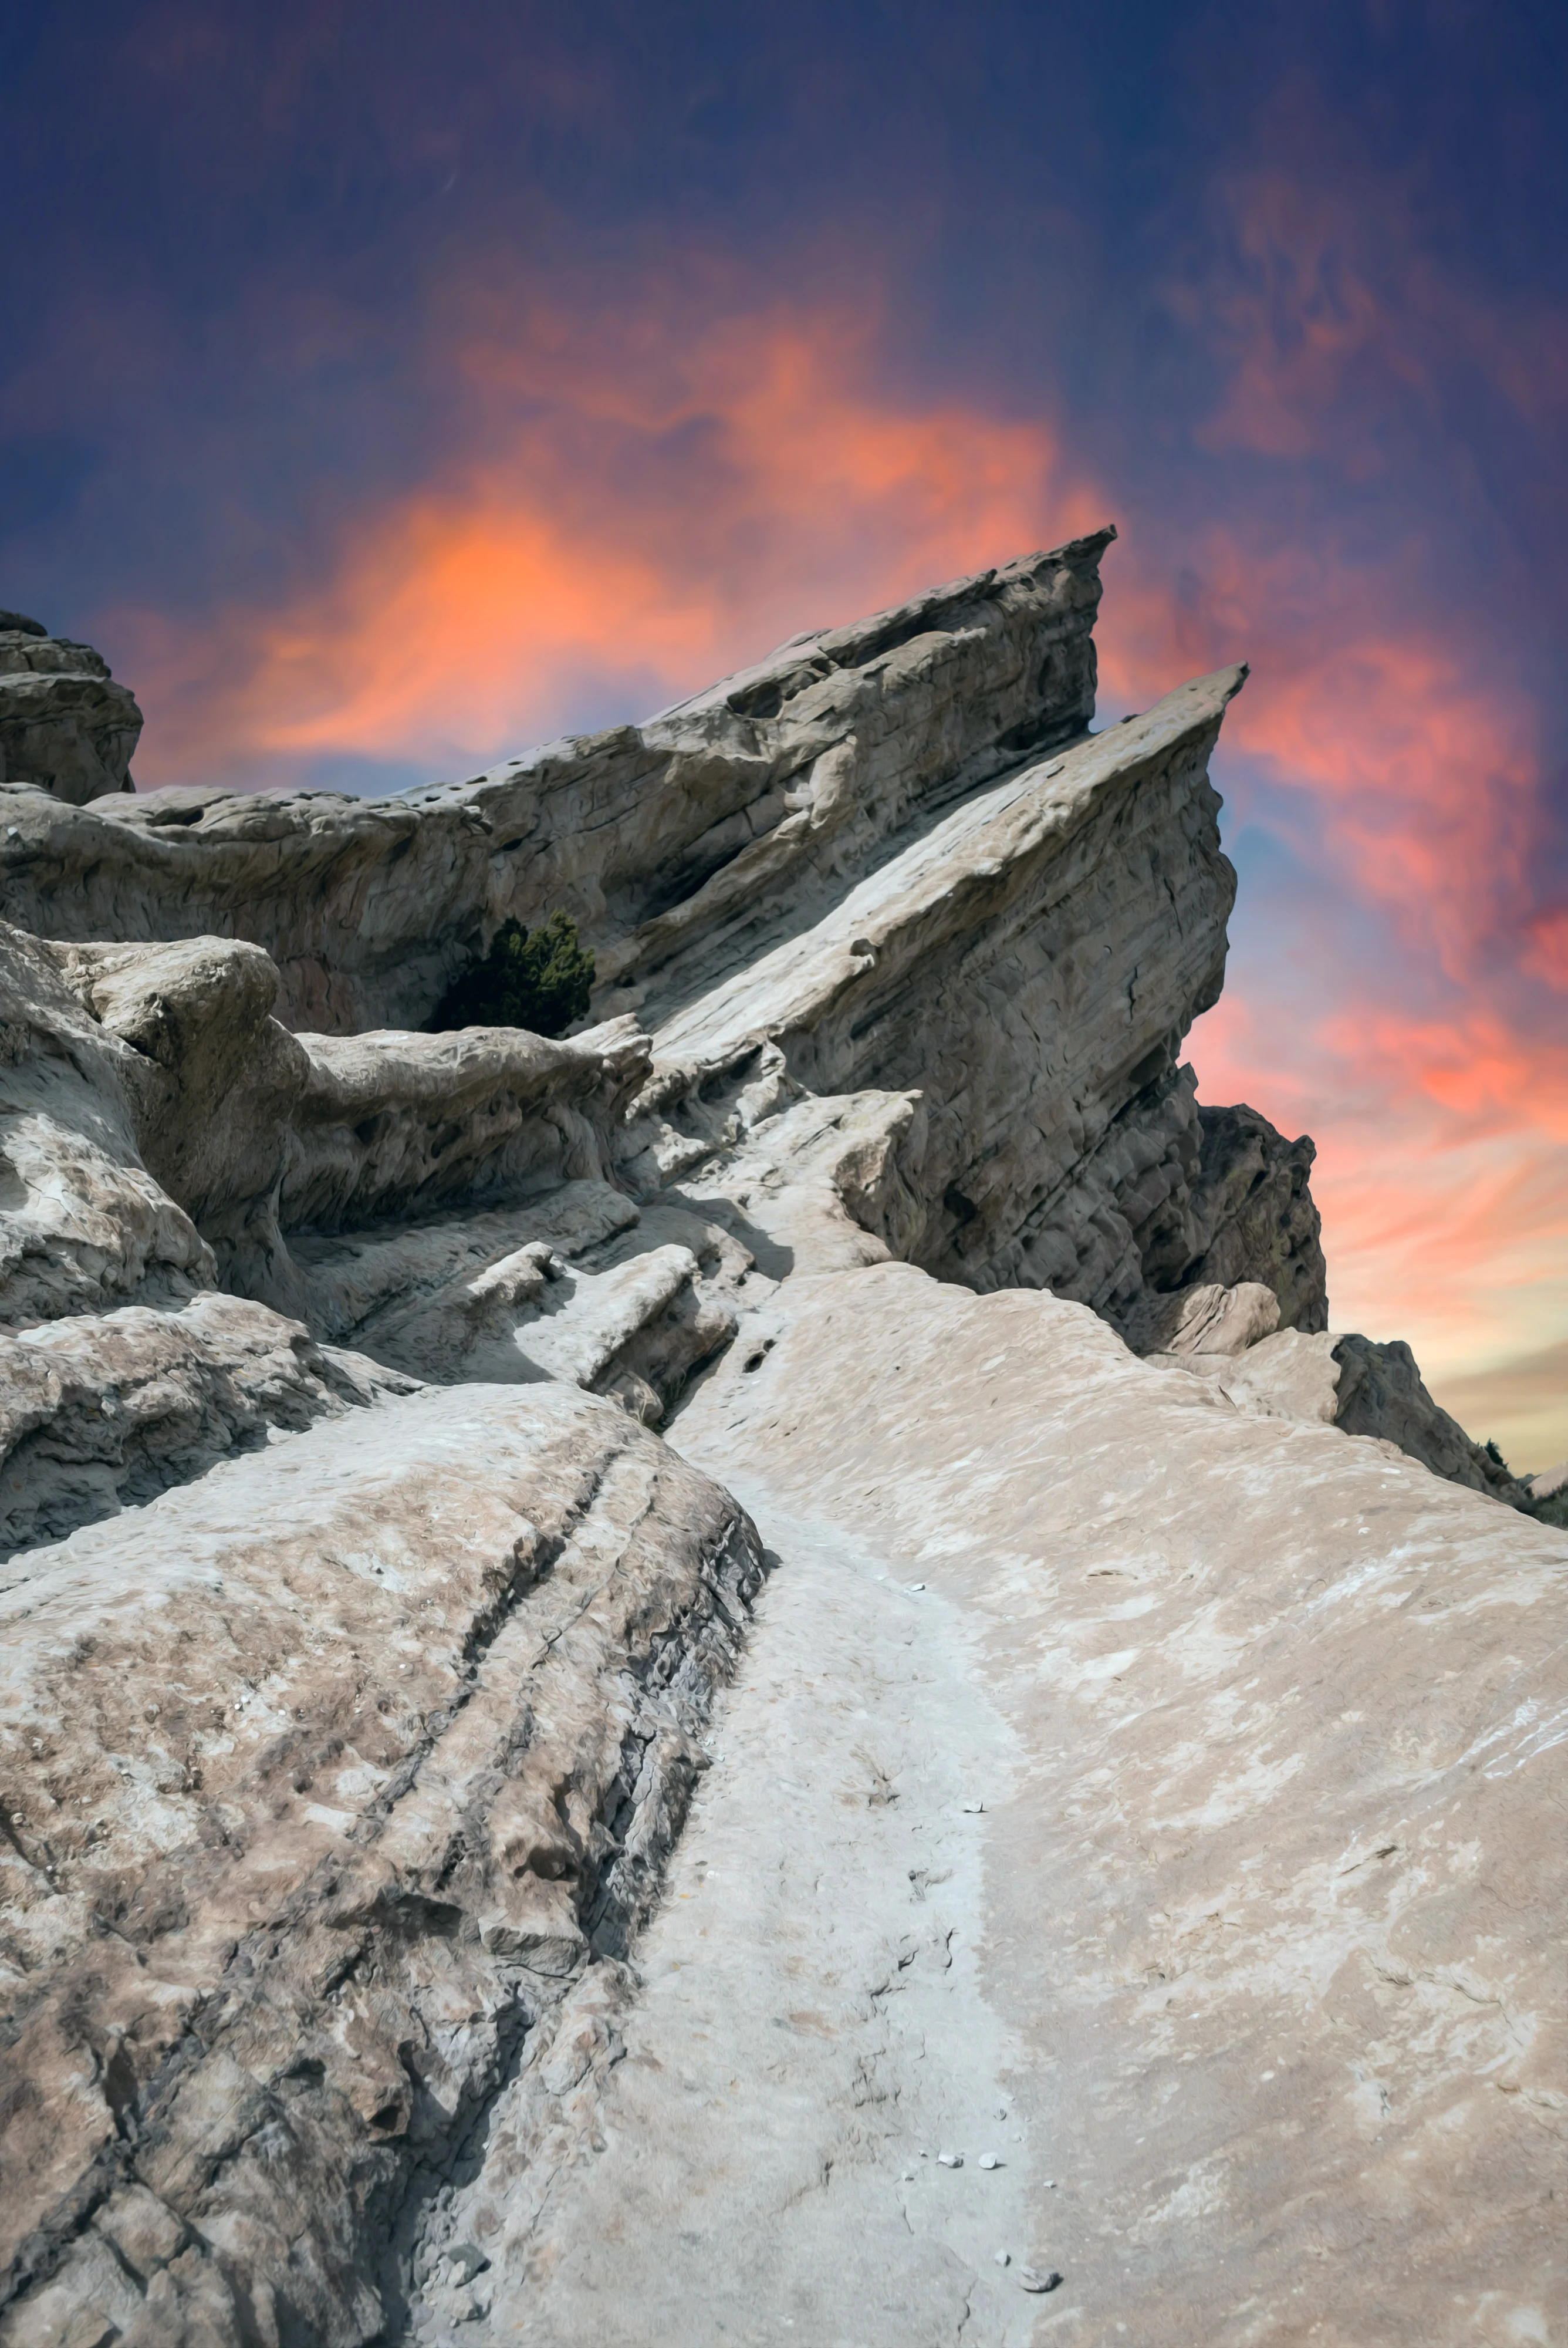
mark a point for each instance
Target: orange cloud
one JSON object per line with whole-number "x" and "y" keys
{"x": 1416, "y": 771}
{"x": 641, "y": 499}
{"x": 651, "y": 508}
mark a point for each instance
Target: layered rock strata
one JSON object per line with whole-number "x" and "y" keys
{"x": 363, "y": 1635}
{"x": 686, "y": 837}
{"x": 325, "y": 1776}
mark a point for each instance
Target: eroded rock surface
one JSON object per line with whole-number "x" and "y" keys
{"x": 689, "y": 834}
{"x": 66, "y": 726}
{"x": 100, "y": 1414}
{"x": 324, "y": 1776}
{"x": 1228, "y": 1336}
{"x": 362, "y": 1638}
{"x": 1242, "y": 1740}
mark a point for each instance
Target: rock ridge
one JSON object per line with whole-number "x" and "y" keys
{"x": 397, "y": 1431}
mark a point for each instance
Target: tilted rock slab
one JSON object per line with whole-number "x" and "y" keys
{"x": 772, "y": 866}
{"x": 356, "y": 1658}
{"x": 685, "y": 832}
{"x": 1029, "y": 966}
{"x": 323, "y": 1775}
{"x": 1268, "y": 1931}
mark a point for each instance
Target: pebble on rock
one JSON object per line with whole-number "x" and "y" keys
{"x": 951, "y": 2159}
{"x": 1037, "y": 2278}
{"x": 989, "y": 2161}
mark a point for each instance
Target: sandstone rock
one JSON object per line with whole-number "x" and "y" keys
{"x": 101, "y": 1411}
{"x": 1207, "y": 1319}
{"x": 65, "y": 727}
{"x": 1271, "y": 1862}
{"x": 865, "y": 939}
{"x": 344, "y": 1760}
{"x": 84, "y": 1227}
{"x": 637, "y": 1328}
{"x": 1348, "y": 1381}
{"x": 1029, "y": 966}
{"x": 322, "y": 1774}
{"x": 689, "y": 834}
{"x": 1381, "y": 1394}
{"x": 1294, "y": 1374}
{"x": 1254, "y": 1216}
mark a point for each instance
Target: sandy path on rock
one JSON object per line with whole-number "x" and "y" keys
{"x": 1256, "y": 1939}
{"x": 811, "y": 2032}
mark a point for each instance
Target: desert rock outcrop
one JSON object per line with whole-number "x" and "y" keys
{"x": 66, "y": 726}
{"x": 380, "y": 1415}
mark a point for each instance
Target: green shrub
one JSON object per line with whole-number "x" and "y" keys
{"x": 539, "y": 981}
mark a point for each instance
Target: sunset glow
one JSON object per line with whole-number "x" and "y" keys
{"x": 530, "y": 400}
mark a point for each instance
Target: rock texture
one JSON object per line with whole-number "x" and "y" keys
{"x": 97, "y": 1415}
{"x": 1252, "y": 1218}
{"x": 363, "y": 1637}
{"x": 66, "y": 726}
{"x": 692, "y": 832}
{"x": 1226, "y": 1335}
{"x": 1208, "y": 1768}
{"x": 323, "y": 1779}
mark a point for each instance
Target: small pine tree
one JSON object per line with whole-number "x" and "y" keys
{"x": 1494, "y": 1454}
{"x": 539, "y": 981}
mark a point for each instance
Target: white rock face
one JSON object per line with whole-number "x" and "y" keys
{"x": 699, "y": 828}
{"x": 1220, "y": 1759}
{"x": 99, "y": 1413}
{"x": 324, "y": 1776}
{"x": 363, "y": 1641}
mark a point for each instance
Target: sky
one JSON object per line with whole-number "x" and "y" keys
{"x": 385, "y": 389}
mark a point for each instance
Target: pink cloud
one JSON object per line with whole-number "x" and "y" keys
{"x": 636, "y": 500}
{"x": 643, "y": 496}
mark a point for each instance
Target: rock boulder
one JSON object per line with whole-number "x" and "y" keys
{"x": 66, "y": 726}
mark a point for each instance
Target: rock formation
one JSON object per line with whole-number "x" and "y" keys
{"x": 380, "y": 1415}
{"x": 66, "y": 726}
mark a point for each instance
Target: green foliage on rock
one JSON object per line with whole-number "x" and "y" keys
{"x": 537, "y": 979}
